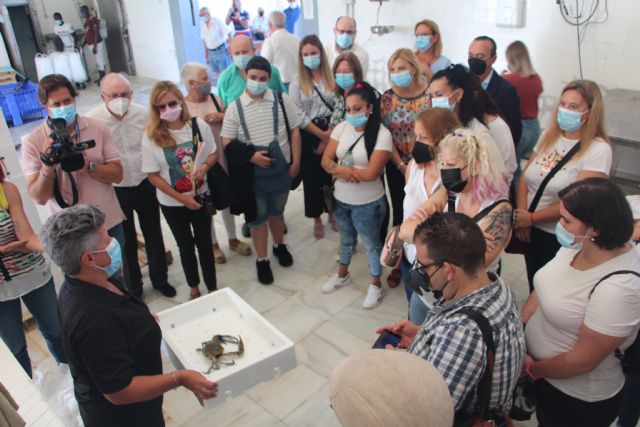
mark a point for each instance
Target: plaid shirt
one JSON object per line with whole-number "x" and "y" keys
{"x": 452, "y": 342}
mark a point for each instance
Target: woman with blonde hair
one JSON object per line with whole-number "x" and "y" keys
{"x": 399, "y": 106}
{"x": 314, "y": 93}
{"x": 577, "y": 137}
{"x": 529, "y": 87}
{"x": 169, "y": 134}
{"x": 473, "y": 173}
{"x": 429, "y": 48}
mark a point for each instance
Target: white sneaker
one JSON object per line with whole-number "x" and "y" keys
{"x": 374, "y": 296}
{"x": 336, "y": 282}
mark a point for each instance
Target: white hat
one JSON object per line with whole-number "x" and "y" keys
{"x": 634, "y": 202}
{"x": 379, "y": 388}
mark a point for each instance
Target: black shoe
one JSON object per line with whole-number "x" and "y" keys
{"x": 167, "y": 290}
{"x": 101, "y": 75}
{"x": 246, "y": 232}
{"x": 265, "y": 275}
{"x": 284, "y": 257}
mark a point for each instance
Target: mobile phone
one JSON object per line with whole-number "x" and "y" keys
{"x": 387, "y": 337}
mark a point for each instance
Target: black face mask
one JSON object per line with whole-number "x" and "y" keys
{"x": 452, "y": 179}
{"x": 261, "y": 13}
{"x": 477, "y": 66}
{"x": 422, "y": 153}
{"x": 419, "y": 282}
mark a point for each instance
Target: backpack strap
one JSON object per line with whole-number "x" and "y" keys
{"x": 484, "y": 212}
{"x": 216, "y": 103}
{"x": 551, "y": 174}
{"x": 484, "y": 385}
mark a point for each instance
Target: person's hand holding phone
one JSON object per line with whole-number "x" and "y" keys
{"x": 405, "y": 329}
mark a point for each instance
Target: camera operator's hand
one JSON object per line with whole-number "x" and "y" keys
{"x": 190, "y": 203}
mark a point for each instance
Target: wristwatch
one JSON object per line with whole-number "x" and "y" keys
{"x": 92, "y": 167}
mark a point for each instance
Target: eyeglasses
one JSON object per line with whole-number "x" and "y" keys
{"x": 170, "y": 104}
{"x": 118, "y": 95}
{"x": 422, "y": 268}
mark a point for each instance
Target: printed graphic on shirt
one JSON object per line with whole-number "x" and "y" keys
{"x": 549, "y": 161}
{"x": 181, "y": 161}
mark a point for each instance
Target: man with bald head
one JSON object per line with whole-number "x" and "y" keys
{"x": 126, "y": 121}
{"x": 214, "y": 33}
{"x": 232, "y": 83}
{"x": 345, "y": 32}
{"x": 281, "y": 48}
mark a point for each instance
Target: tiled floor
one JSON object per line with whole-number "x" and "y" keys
{"x": 325, "y": 328}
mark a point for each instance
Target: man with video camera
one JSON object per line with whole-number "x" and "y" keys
{"x": 70, "y": 160}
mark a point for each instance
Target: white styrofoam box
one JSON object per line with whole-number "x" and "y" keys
{"x": 267, "y": 351}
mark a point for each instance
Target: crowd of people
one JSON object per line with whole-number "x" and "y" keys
{"x": 450, "y": 158}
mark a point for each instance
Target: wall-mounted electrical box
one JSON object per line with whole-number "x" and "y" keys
{"x": 510, "y": 13}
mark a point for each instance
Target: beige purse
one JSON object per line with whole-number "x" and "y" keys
{"x": 392, "y": 248}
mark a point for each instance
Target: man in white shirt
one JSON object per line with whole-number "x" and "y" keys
{"x": 345, "y": 32}
{"x": 281, "y": 48}
{"x": 126, "y": 121}
{"x": 259, "y": 25}
{"x": 214, "y": 33}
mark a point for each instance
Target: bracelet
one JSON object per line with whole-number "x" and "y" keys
{"x": 531, "y": 217}
{"x": 175, "y": 380}
{"x": 45, "y": 176}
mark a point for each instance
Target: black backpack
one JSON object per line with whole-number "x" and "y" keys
{"x": 630, "y": 358}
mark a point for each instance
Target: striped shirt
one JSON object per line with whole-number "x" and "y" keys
{"x": 453, "y": 344}
{"x": 258, "y": 115}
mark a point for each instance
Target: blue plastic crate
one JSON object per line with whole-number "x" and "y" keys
{"x": 20, "y": 104}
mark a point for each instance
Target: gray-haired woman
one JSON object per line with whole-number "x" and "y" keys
{"x": 111, "y": 339}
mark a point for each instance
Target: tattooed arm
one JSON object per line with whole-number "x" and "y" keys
{"x": 497, "y": 224}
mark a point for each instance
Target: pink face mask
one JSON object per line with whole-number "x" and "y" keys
{"x": 171, "y": 114}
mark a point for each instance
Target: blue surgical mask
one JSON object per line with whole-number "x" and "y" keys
{"x": 66, "y": 112}
{"x": 401, "y": 79}
{"x": 423, "y": 43}
{"x": 59, "y": 22}
{"x": 442, "y": 102}
{"x": 311, "y": 62}
{"x": 345, "y": 81}
{"x": 204, "y": 19}
{"x": 115, "y": 254}
{"x": 241, "y": 61}
{"x": 357, "y": 120}
{"x": 568, "y": 120}
{"x": 567, "y": 239}
{"x": 256, "y": 88}
{"x": 345, "y": 41}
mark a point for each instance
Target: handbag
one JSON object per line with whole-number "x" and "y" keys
{"x": 392, "y": 248}
{"x": 517, "y": 246}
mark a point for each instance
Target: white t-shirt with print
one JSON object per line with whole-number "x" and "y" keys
{"x": 597, "y": 159}
{"x": 564, "y": 305}
{"x": 176, "y": 163}
{"x": 359, "y": 193}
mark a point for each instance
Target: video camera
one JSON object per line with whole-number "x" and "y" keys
{"x": 63, "y": 150}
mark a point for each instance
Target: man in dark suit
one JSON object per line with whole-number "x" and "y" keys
{"x": 482, "y": 56}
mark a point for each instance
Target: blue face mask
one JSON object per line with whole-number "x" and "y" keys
{"x": 567, "y": 239}
{"x": 442, "y": 102}
{"x": 345, "y": 81}
{"x": 401, "y": 79}
{"x": 241, "y": 61}
{"x": 423, "y": 43}
{"x": 59, "y": 22}
{"x": 357, "y": 120}
{"x": 115, "y": 254}
{"x": 66, "y": 112}
{"x": 311, "y": 62}
{"x": 204, "y": 19}
{"x": 568, "y": 120}
{"x": 256, "y": 88}
{"x": 345, "y": 41}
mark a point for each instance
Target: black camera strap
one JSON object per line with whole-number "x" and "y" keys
{"x": 215, "y": 102}
{"x": 58, "y": 195}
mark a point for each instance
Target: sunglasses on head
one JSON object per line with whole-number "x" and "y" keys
{"x": 170, "y": 104}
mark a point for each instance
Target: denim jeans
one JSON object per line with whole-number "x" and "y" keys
{"x": 43, "y": 305}
{"x": 364, "y": 221}
{"x": 528, "y": 140}
{"x": 630, "y": 410}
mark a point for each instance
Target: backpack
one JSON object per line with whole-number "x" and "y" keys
{"x": 630, "y": 358}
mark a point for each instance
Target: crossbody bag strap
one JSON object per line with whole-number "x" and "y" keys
{"x": 484, "y": 212}
{"x": 324, "y": 101}
{"x": 243, "y": 122}
{"x": 635, "y": 273}
{"x": 352, "y": 146}
{"x": 551, "y": 174}
{"x": 215, "y": 102}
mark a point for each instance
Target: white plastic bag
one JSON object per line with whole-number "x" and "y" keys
{"x": 78, "y": 73}
{"x": 61, "y": 63}
{"x": 44, "y": 65}
{"x": 57, "y": 387}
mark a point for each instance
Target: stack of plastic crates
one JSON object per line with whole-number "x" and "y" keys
{"x": 20, "y": 104}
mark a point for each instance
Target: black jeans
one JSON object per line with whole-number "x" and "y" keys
{"x": 313, "y": 176}
{"x": 556, "y": 409}
{"x": 143, "y": 201}
{"x": 542, "y": 249}
{"x": 181, "y": 222}
{"x": 395, "y": 181}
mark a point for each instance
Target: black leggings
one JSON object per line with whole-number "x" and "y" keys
{"x": 556, "y": 409}
{"x": 181, "y": 222}
{"x": 542, "y": 249}
{"x": 313, "y": 176}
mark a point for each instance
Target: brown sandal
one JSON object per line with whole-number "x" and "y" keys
{"x": 394, "y": 278}
{"x": 318, "y": 230}
{"x": 195, "y": 293}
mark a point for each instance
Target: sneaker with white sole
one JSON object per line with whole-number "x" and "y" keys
{"x": 374, "y": 296}
{"x": 336, "y": 282}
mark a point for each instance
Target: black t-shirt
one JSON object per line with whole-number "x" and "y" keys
{"x": 109, "y": 339}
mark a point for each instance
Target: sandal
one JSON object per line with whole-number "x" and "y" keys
{"x": 241, "y": 248}
{"x": 195, "y": 293}
{"x": 318, "y": 230}
{"x": 393, "y": 280}
{"x": 218, "y": 255}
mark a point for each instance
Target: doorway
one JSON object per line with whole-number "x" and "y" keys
{"x": 117, "y": 43}
{"x": 25, "y": 35}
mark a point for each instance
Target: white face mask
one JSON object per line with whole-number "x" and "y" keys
{"x": 119, "y": 106}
